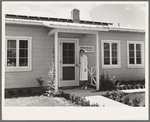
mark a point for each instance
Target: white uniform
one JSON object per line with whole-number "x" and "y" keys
{"x": 83, "y": 66}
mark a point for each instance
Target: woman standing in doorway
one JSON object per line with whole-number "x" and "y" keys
{"x": 83, "y": 68}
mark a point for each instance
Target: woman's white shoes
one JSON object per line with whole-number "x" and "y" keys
{"x": 84, "y": 87}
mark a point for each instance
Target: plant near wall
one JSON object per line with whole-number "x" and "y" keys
{"x": 40, "y": 81}
{"x": 51, "y": 73}
{"x": 105, "y": 83}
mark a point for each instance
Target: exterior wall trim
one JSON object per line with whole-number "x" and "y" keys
{"x": 142, "y": 57}
{"x": 119, "y": 54}
{"x": 29, "y": 68}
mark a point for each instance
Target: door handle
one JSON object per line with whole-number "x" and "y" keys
{"x": 77, "y": 65}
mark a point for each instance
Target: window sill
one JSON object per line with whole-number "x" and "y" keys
{"x": 18, "y": 69}
{"x": 111, "y": 67}
{"x": 136, "y": 67}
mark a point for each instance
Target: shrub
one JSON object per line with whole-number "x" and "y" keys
{"x": 120, "y": 88}
{"x": 143, "y": 82}
{"x": 107, "y": 94}
{"x": 136, "y": 101}
{"x": 132, "y": 82}
{"x": 67, "y": 96}
{"x": 131, "y": 102}
{"x": 141, "y": 86}
{"x": 71, "y": 97}
{"x": 132, "y": 87}
{"x": 125, "y": 100}
{"x": 77, "y": 99}
{"x": 111, "y": 97}
{"x": 84, "y": 102}
{"x": 117, "y": 81}
{"x": 124, "y": 87}
{"x": 105, "y": 83}
{"x": 95, "y": 105}
{"x": 51, "y": 73}
{"x": 40, "y": 81}
{"x": 128, "y": 86}
{"x": 118, "y": 98}
{"x": 114, "y": 94}
{"x": 136, "y": 87}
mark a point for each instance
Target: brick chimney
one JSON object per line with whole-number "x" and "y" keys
{"x": 75, "y": 15}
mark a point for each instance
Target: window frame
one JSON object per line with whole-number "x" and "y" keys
{"x": 17, "y": 68}
{"x": 142, "y": 54}
{"x": 118, "y": 54}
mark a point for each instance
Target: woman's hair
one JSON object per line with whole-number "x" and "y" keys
{"x": 82, "y": 50}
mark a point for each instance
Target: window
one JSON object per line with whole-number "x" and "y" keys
{"x": 135, "y": 54}
{"x": 110, "y": 54}
{"x": 18, "y": 54}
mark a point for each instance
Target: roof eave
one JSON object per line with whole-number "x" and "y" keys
{"x": 86, "y": 27}
{"x": 43, "y": 23}
{"x": 126, "y": 30}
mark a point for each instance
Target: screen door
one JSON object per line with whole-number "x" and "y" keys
{"x": 68, "y": 60}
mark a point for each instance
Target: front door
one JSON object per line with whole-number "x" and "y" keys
{"x": 69, "y": 57}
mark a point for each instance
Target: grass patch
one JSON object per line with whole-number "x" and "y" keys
{"x": 38, "y": 101}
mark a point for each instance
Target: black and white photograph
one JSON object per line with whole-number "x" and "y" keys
{"x": 75, "y": 60}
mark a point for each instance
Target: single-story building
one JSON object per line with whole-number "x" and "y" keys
{"x": 30, "y": 42}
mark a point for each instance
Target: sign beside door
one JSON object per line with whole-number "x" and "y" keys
{"x": 69, "y": 57}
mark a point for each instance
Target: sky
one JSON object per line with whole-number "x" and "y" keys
{"x": 128, "y": 15}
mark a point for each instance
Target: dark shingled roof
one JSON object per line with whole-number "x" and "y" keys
{"x": 54, "y": 19}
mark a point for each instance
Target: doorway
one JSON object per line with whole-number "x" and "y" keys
{"x": 69, "y": 57}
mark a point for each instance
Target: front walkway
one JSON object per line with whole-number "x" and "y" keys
{"x": 94, "y": 97}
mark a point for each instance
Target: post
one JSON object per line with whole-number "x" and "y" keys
{"x": 56, "y": 61}
{"x": 97, "y": 61}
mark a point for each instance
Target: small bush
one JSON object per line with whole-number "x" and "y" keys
{"x": 120, "y": 88}
{"x": 95, "y": 105}
{"x": 40, "y": 81}
{"x": 107, "y": 94}
{"x": 106, "y": 84}
{"x": 132, "y": 83}
{"x": 136, "y": 101}
{"x": 132, "y": 87}
{"x": 118, "y": 98}
{"x": 128, "y": 86}
{"x": 111, "y": 97}
{"x": 67, "y": 96}
{"x": 114, "y": 94}
{"x": 131, "y": 102}
{"x": 71, "y": 97}
{"x": 77, "y": 99}
{"x": 124, "y": 87}
{"x": 136, "y": 87}
{"x": 125, "y": 100}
